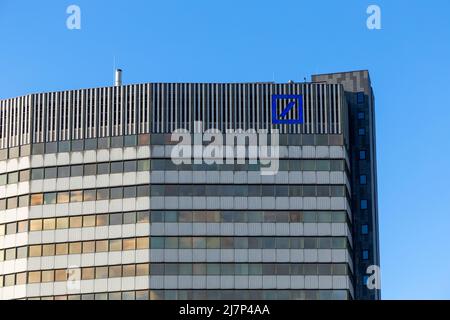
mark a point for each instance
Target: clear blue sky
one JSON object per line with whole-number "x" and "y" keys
{"x": 171, "y": 41}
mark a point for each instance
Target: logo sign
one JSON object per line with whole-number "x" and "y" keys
{"x": 287, "y": 109}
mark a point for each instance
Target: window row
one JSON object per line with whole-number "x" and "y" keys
{"x": 66, "y": 248}
{"x": 256, "y": 190}
{"x": 75, "y": 146}
{"x": 248, "y": 216}
{"x": 284, "y": 140}
{"x": 192, "y": 190}
{"x": 247, "y": 269}
{"x": 112, "y": 219}
{"x": 158, "y": 165}
{"x": 75, "y": 171}
{"x": 176, "y": 269}
{"x": 38, "y": 199}
{"x": 284, "y": 165}
{"x": 46, "y": 276}
{"x": 146, "y": 140}
{"x": 47, "y": 250}
{"x": 209, "y": 295}
{"x": 98, "y": 220}
{"x": 91, "y": 144}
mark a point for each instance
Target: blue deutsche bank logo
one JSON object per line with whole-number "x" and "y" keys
{"x": 286, "y": 104}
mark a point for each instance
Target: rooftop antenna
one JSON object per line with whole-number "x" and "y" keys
{"x": 118, "y": 78}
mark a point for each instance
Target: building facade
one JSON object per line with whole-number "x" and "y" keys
{"x": 93, "y": 205}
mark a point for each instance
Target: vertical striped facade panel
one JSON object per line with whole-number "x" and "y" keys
{"x": 165, "y": 107}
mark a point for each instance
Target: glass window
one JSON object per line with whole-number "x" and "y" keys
{"x": 88, "y": 273}
{"x": 76, "y": 222}
{"x": 130, "y": 166}
{"x": 76, "y": 196}
{"x": 309, "y": 165}
{"x": 36, "y": 225}
{"x": 89, "y": 195}
{"x": 75, "y": 248}
{"x": 89, "y": 247}
{"x": 101, "y": 246}
{"x": 89, "y": 170}
{"x": 129, "y": 270}
{"x": 89, "y": 221}
{"x": 62, "y": 249}
{"x": 103, "y": 168}
{"x": 77, "y": 145}
{"x": 117, "y": 142}
{"x": 35, "y": 251}
{"x": 62, "y": 223}
{"x": 323, "y": 165}
{"x": 116, "y": 193}
{"x": 365, "y": 229}
{"x": 64, "y": 172}
{"x": 24, "y": 201}
{"x": 50, "y": 224}
{"x": 361, "y": 115}
{"x": 115, "y": 245}
{"x": 143, "y": 165}
{"x": 362, "y": 131}
{"x": 142, "y": 269}
{"x": 102, "y": 220}
{"x": 103, "y": 143}
{"x": 3, "y": 179}
{"x": 11, "y": 203}
{"x": 116, "y": 167}
{"x": 115, "y": 271}
{"x": 64, "y": 146}
{"x": 144, "y": 139}
{"x": 90, "y": 144}
{"x": 13, "y": 177}
{"x": 130, "y": 141}
{"x": 310, "y": 243}
{"x": 50, "y": 198}
{"x": 11, "y": 228}
{"x": 364, "y": 204}
{"x": 61, "y": 275}
{"x": 143, "y": 217}
{"x": 37, "y": 174}
{"x": 129, "y": 244}
{"x": 22, "y": 226}
{"x": 34, "y": 277}
{"x": 50, "y": 173}
{"x": 143, "y": 243}
{"x": 63, "y": 197}
{"x": 129, "y": 192}
{"x": 340, "y": 217}
{"x": 362, "y": 155}
{"x": 25, "y": 150}
{"x": 77, "y": 171}
{"x": 48, "y": 250}
{"x": 38, "y": 148}
{"x": 360, "y": 98}
{"x": 115, "y": 219}
{"x": 129, "y": 218}
{"x": 365, "y": 254}
{"x": 10, "y": 254}
{"x": 101, "y": 272}
{"x": 363, "y": 179}
{"x": 143, "y": 191}
{"x": 51, "y": 147}
{"x": 48, "y": 276}
{"x": 103, "y": 194}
